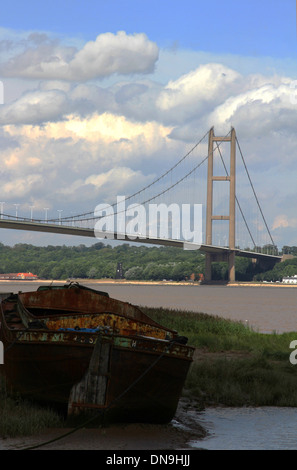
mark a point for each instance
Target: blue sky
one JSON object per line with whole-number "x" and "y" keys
{"x": 252, "y": 27}
{"x": 76, "y": 90}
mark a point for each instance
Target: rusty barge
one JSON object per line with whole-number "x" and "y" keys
{"x": 92, "y": 356}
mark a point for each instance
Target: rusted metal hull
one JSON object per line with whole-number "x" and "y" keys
{"x": 104, "y": 375}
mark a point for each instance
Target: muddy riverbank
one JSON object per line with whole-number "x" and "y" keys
{"x": 176, "y": 435}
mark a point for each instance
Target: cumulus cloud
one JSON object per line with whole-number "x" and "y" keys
{"x": 258, "y": 109}
{"x": 22, "y": 187}
{"x": 109, "y": 54}
{"x": 255, "y": 105}
{"x": 69, "y": 143}
{"x": 196, "y": 91}
{"x": 35, "y": 106}
{"x": 81, "y": 159}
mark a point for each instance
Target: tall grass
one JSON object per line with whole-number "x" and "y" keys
{"x": 218, "y": 334}
{"x": 252, "y": 381}
{"x": 258, "y": 374}
{"x": 23, "y": 418}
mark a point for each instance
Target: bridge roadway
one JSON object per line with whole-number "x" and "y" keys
{"x": 218, "y": 253}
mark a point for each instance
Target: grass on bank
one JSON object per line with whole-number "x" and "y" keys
{"x": 19, "y": 417}
{"x": 240, "y": 367}
{"x": 216, "y": 334}
{"x": 237, "y": 367}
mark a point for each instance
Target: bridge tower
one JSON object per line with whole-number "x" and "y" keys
{"x": 230, "y": 256}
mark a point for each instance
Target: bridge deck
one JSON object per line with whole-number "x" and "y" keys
{"x": 89, "y": 232}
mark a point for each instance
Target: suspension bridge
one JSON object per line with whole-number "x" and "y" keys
{"x": 207, "y": 175}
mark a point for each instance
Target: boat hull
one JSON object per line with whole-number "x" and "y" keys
{"x": 92, "y": 357}
{"x": 106, "y": 379}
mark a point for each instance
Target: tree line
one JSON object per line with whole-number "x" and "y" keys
{"x": 100, "y": 261}
{"x": 138, "y": 263}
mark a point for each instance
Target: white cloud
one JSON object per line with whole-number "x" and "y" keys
{"x": 108, "y": 54}
{"x": 195, "y": 92}
{"x": 259, "y": 109}
{"x": 22, "y": 187}
{"x": 81, "y": 159}
{"x": 113, "y": 176}
{"x": 34, "y": 106}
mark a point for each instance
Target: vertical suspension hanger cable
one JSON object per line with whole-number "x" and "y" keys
{"x": 252, "y": 186}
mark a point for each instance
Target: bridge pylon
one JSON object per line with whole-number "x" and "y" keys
{"x": 210, "y": 216}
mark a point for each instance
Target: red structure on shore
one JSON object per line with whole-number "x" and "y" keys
{"x": 19, "y": 276}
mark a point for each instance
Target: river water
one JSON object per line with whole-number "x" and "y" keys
{"x": 266, "y": 309}
{"x": 266, "y": 428}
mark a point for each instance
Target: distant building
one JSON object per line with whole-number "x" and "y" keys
{"x": 18, "y": 276}
{"x": 119, "y": 271}
{"x": 27, "y": 276}
{"x": 290, "y": 279}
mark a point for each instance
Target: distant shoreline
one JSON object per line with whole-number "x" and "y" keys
{"x": 150, "y": 283}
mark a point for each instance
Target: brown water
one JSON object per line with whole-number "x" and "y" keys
{"x": 266, "y": 308}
